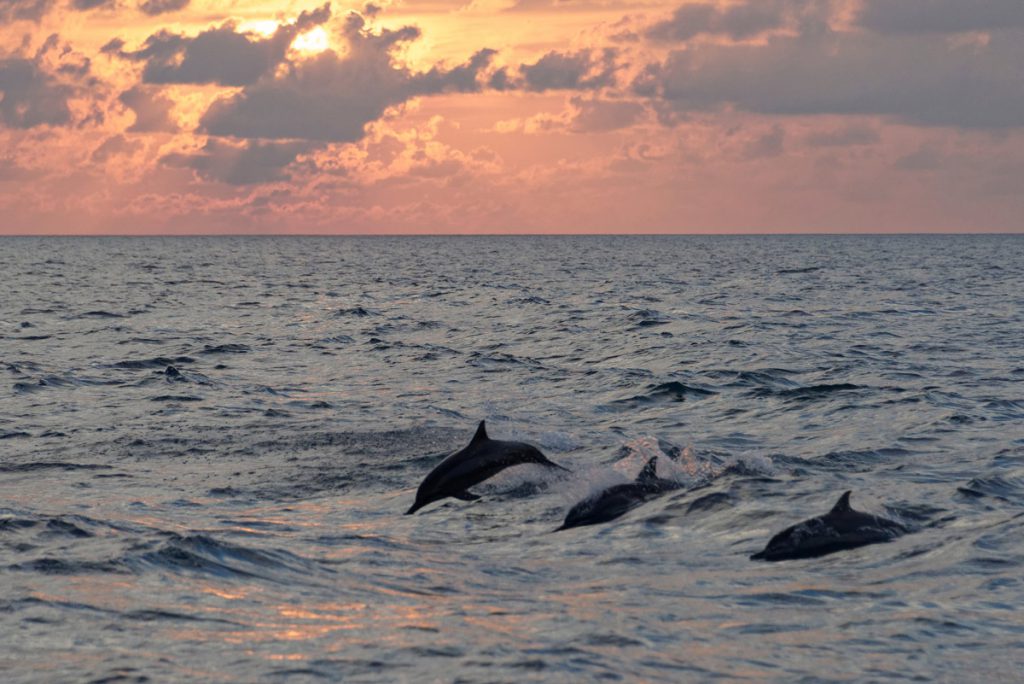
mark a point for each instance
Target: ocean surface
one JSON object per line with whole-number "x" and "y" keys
{"x": 207, "y": 446}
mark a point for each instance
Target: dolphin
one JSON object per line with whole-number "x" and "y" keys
{"x": 619, "y": 499}
{"x": 482, "y": 459}
{"x": 840, "y": 529}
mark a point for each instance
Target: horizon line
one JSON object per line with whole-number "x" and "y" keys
{"x": 516, "y": 234}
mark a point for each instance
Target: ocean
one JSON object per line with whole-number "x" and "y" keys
{"x": 208, "y": 444}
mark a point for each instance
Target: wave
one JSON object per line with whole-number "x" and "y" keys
{"x": 155, "y": 362}
{"x": 673, "y": 391}
{"x": 355, "y": 311}
{"x": 48, "y": 465}
{"x": 806, "y": 393}
{"x": 1007, "y": 489}
{"x": 226, "y": 349}
{"x": 99, "y": 314}
{"x": 200, "y": 554}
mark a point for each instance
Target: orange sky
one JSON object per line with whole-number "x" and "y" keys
{"x": 193, "y": 116}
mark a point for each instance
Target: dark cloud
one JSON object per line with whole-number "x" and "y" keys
{"x": 744, "y": 20}
{"x": 156, "y": 7}
{"x": 152, "y": 110}
{"x": 740, "y": 21}
{"x": 31, "y": 96}
{"x": 23, "y": 10}
{"x": 85, "y": 5}
{"x": 330, "y": 97}
{"x": 219, "y": 55}
{"x": 940, "y": 16}
{"x": 562, "y": 6}
{"x": 246, "y": 163}
{"x": 917, "y": 79}
{"x": 570, "y": 71}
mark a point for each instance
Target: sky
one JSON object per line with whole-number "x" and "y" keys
{"x": 508, "y": 116}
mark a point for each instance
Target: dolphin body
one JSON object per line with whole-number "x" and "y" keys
{"x": 619, "y": 499}
{"x": 840, "y": 529}
{"x": 482, "y": 459}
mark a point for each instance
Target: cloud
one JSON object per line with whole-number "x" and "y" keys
{"x": 152, "y": 110}
{"x": 85, "y": 5}
{"x": 580, "y": 70}
{"x": 239, "y": 164}
{"x": 921, "y": 80}
{"x": 741, "y": 21}
{"x": 940, "y": 16}
{"x": 572, "y": 5}
{"x": 23, "y": 10}
{"x": 599, "y": 116}
{"x": 157, "y": 7}
{"x": 115, "y": 146}
{"x": 736, "y": 21}
{"x": 221, "y": 55}
{"x": 331, "y": 97}
{"x": 31, "y": 96}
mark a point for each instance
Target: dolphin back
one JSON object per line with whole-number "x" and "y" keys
{"x": 840, "y": 529}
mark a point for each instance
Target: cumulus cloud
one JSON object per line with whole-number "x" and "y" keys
{"x": 31, "y": 95}
{"x": 85, "y": 5}
{"x": 571, "y": 5}
{"x": 580, "y": 70}
{"x": 741, "y": 21}
{"x": 244, "y": 163}
{"x": 921, "y": 80}
{"x": 221, "y": 55}
{"x": 157, "y": 7}
{"x": 23, "y": 10}
{"x": 331, "y": 97}
{"x": 940, "y": 16}
{"x": 151, "y": 108}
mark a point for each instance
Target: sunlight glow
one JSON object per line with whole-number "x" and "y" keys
{"x": 262, "y": 27}
{"x": 312, "y": 41}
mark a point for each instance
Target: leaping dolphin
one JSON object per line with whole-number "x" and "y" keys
{"x": 617, "y": 500}
{"x": 840, "y": 529}
{"x": 482, "y": 459}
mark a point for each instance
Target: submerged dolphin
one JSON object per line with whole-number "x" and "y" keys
{"x": 617, "y": 500}
{"x": 840, "y": 529}
{"x": 483, "y": 458}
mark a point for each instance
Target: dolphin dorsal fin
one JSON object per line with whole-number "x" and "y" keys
{"x": 481, "y": 434}
{"x": 843, "y": 505}
{"x": 649, "y": 473}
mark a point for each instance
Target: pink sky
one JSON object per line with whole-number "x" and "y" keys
{"x": 445, "y": 116}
